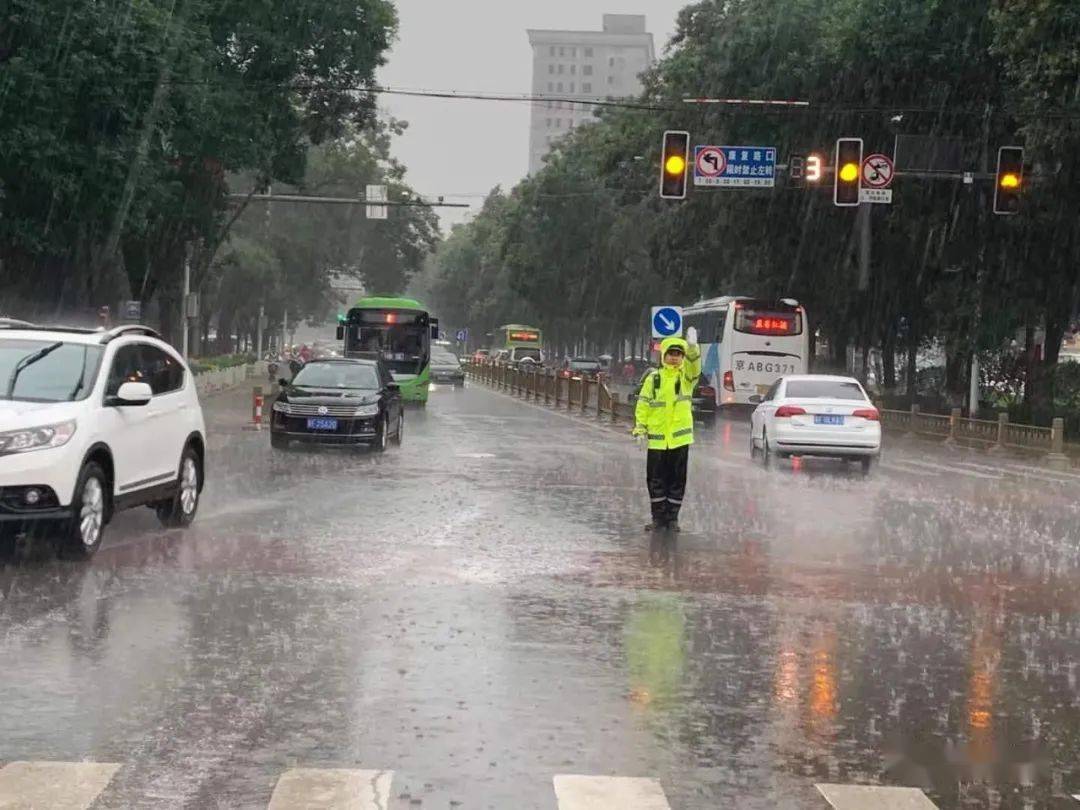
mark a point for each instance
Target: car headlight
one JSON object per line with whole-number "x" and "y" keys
{"x": 282, "y": 407}
{"x": 38, "y": 438}
{"x": 367, "y": 410}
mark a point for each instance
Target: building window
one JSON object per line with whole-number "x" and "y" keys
{"x": 558, "y": 123}
{"x": 611, "y": 61}
{"x": 551, "y": 51}
{"x": 560, "y": 87}
{"x": 551, "y": 69}
{"x": 547, "y": 123}
{"x": 573, "y": 53}
{"x": 562, "y": 51}
{"x": 611, "y": 80}
{"x": 572, "y": 86}
{"x": 562, "y": 69}
{"x": 586, "y": 70}
{"x": 588, "y": 53}
{"x": 573, "y": 70}
{"x": 586, "y": 87}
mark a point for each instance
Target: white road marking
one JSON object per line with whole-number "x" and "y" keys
{"x": 332, "y": 789}
{"x": 55, "y": 785}
{"x": 945, "y": 468}
{"x": 865, "y": 797}
{"x": 609, "y": 793}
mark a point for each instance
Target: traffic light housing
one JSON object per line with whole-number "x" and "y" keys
{"x": 1009, "y": 184}
{"x": 847, "y": 179}
{"x": 674, "y": 163}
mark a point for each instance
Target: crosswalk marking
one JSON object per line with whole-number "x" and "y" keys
{"x": 332, "y": 789}
{"x": 609, "y": 793}
{"x": 55, "y": 785}
{"x": 863, "y": 797}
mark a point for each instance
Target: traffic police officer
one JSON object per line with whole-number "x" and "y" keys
{"x": 664, "y": 415}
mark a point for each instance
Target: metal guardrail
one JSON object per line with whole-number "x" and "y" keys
{"x": 999, "y": 435}
{"x": 588, "y": 397}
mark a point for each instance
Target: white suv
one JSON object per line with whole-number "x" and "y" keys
{"x": 92, "y": 422}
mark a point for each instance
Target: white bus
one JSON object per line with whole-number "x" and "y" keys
{"x": 747, "y": 344}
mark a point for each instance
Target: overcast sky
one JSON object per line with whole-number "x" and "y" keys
{"x": 468, "y": 147}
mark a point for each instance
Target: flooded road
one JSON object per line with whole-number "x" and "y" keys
{"x": 476, "y": 619}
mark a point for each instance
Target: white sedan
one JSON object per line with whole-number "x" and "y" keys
{"x": 816, "y": 415}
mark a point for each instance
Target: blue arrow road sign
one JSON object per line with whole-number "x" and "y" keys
{"x": 462, "y": 335}
{"x": 666, "y": 321}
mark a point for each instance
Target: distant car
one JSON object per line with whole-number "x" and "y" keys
{"x": 481, "y": 356}
{"x": 704, "y": 402}
{"x": 816, "y": 415}
{"x": 445, "y": 367}
{"x": 581, "y": 368}
{"x": 339, "y": 402}
{"x": 93, "y": 422}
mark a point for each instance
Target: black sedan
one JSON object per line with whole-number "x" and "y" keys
{"x": 445, "y": 367}
{"x": 339, "y": 402}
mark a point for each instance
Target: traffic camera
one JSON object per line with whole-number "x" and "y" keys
{"x": 674, "y": 162}
{"x": 847, "y": 180}
{"x": 1010, "y": 180}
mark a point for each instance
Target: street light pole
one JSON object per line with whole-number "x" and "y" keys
{"x": 184, "y": 300}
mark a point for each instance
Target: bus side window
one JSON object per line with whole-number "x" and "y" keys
{"x": 721, "y": 321}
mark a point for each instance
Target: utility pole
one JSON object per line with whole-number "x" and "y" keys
{"x": 259, "y": 330}
{"x": 285, "y": 331}
{"x": 184, "y": 299}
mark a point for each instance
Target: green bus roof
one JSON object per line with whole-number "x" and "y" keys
{"x": 388, "y": 302}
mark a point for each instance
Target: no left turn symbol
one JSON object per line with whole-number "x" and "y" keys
{"x": 877, "y": 171}
{"x": 711, "y": 162}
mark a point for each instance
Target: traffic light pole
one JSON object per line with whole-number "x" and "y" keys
{"x": 863, "y": 221}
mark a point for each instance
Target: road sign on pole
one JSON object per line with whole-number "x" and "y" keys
{"x": 735, "y": 166}
{"x": 877, "y": 176}
{"x": 462, "y": 335}
{"x": 376, "y": 194}
{"x": 666, "y": 321}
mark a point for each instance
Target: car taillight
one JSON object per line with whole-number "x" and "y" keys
{"x": 729, "y": 381}
{"x": 707, "y": 391}
{"x": 869, "y": 414}
{"x": 784, "y": 411}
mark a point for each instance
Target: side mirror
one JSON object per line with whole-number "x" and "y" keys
{"x": 132, "y": 394}
{"x": 341, "y": 333}
{"x": 282, "y": 382}
{"x": 755, "y": 399}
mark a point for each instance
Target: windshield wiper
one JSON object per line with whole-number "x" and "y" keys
{"x": 27, "y": 361}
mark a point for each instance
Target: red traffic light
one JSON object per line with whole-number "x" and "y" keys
{"x": 674, "y": 161}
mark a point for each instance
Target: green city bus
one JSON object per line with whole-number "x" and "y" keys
{"x": 521, "y": 341}
{"x": 397, "y": 330}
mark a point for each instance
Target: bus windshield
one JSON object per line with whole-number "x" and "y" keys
{"x": 399, "y": 338}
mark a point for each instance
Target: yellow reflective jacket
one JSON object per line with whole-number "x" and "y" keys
{"x": 664, "y": 402}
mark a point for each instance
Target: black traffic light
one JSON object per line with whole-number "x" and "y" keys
{"x": 847, "y": 180}
{"x": 1010, "y": 180}
{"x": 674, "y": 162}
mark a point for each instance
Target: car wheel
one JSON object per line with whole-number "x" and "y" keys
{"x": 89, "y": 512}
{"x": 766, "y": 451}
{"x": 179, "y": 511}
{"x": 867, "y": 464}
{"x": 754, "y": 451}
{"x": 279, "y": 442}
{"x": 399, "y": 434}
{"x": 382, "y": 434}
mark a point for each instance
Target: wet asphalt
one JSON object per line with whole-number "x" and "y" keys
{"x": 479, "y": 611}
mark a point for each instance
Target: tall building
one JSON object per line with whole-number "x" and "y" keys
{"x": 585, "y": 65}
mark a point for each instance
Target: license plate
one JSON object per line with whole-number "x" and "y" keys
{"x": 822, "y": 419}
{"x": 322, "y": 424}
